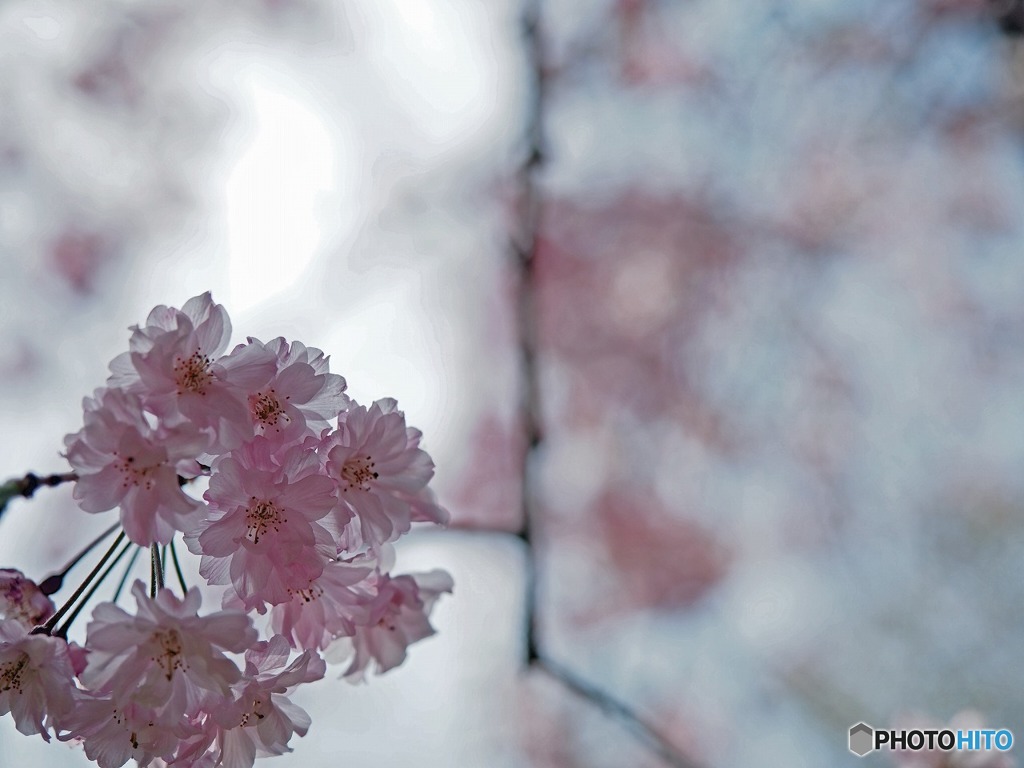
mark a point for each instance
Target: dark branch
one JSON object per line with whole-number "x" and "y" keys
{"x": 523, "y": 249}
{"x": 27, "y": 486}
{"x": 1009, "y": 16}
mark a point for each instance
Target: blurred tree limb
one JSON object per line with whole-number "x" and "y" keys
{"x": 523, "y": 250}
{"x": 27, "y": 486}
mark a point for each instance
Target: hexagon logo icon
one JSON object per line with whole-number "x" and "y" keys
{"x": 862, "y": 737}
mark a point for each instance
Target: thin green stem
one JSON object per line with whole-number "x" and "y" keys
{"x": 124, "y": 577}
{"x": 47, "y": 628}
{"x": 63, "y": 631}
{"x": 156, "y": 570}
{"x": 55, "y": 581}
{"x": 177, "y": 569}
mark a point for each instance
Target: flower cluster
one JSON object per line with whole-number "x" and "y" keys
{"x": 307, "y": 492}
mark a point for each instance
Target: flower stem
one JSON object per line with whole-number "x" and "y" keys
{"x": 126, "y": 574}
{"x": 63, "y": 631}
{"x": 177, "y": 568}
{"x": 156, "y": 570}
{"x": 55, "y": 581}
{"x": 47, "y": 628}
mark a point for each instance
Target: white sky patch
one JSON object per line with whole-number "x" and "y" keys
{"x": 434, "y": 68}
{"x": 280, "y": 193}
{"x": 46, "y": 27}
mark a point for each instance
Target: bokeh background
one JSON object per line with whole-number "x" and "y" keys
{"x": 778, "y": 303}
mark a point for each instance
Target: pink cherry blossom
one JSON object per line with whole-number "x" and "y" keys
{"x": 262, "y": 536}
{"x": 166, "y": 656}
{"x": 22, "y": 600}
{"x": 382, "y": 473}
{"x": 190, "y": 755}
{"x": 196, "y": 751}
{"x": 176, "y": 365}
{"x": 261, "y": 720}
{"x": 330, "y": 606}
{"x": 299, "y": 397}
{"x": 266, "y": 719}
{"x": 36, "y": 678}
{"x": 122, "y": 460}
{"x": 113, "y": 732}
{"x": 398, "y": 617}
{"x": 300, "y": 519}
{"x": 207, "y": 322}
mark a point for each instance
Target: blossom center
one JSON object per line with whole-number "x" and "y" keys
{"x": 12, "y": 672}
{"x": 12, "y": 591}
{"x": 309, "y": 594}
{"x": 358, "y": 472}
{"x": 192, "y": 373}
{"x": 17, "y": 602}
{"x": 134, "y": 472}
{"x": 258, "y": 711}
{"x": 267, "y": 409}
{"x": 263, "y": 516}
{"x": 168, "y": 656}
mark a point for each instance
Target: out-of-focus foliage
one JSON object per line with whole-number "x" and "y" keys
{"x": 780, "y": 286}
{"x": 781, "y": 337}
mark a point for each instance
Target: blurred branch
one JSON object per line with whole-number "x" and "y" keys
{"x": 612, "y": 707}
{"x": 1009, "y": 16}
{"x": 523, "y": 248}
{"x": 470, "y": 526}
{"x": 26, "y": 486}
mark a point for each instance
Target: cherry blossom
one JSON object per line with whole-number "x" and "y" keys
{"x": 36, "y": 678}
{"x": 112, "y": 731}
{"x": 301, "y": 395}
{"x": 206, "y": 322}
{"x": 121, "y": 459}
{"x": 166, "y": 656}
{"x": 22, "y": 600}
{"x": 263, "y": 719}
{"x": 176, "y": 365}
{"x": 307, "y": 494}
{"x": 381, "y": 472}
{"x": 262, "y": 536}
{"x": 260, "y": 720}
{"x": 399, "y": 615}
{"x": 328, "y": 607}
